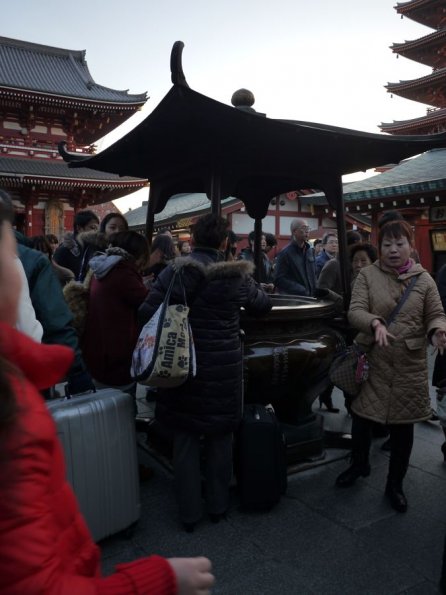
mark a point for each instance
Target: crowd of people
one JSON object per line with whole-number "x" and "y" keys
{"x": 125, "y": 283}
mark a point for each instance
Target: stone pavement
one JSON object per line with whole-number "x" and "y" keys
{"x": 319, "y": 539}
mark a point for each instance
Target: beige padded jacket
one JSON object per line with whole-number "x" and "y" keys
{"x": 397, "y": 389}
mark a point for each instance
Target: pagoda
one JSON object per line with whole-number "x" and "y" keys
{"x": 431, "y": 51}
{"x": 47, "y": 95}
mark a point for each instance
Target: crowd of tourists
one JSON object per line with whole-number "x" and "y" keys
{"x": 74, "y": 310}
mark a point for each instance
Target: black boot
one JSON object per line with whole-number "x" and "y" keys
{"x": 394, "y": 491}
{"x": 359, "y": 468}
{"x": 325, "y": 399}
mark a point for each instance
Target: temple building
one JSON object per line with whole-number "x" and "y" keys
{"x": 47, "y": 95}
{"x": 431, "y": 51}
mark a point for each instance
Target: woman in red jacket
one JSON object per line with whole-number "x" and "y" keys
{"x": 116, "y": 292}
{"x": 45, "y": 546}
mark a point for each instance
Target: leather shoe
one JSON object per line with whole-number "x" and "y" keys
{"x": 398, "y": 500}
{"x": 350, "y": 475}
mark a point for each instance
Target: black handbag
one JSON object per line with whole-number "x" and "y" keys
{"x": 350, "y": 368}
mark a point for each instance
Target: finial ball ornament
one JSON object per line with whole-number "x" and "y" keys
{"x": 242, "y": 98}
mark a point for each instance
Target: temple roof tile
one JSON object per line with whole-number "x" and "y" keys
{"x": 57, "y": 71}
{"x": 45, "y": 168}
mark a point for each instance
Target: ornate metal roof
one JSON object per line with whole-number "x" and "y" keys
{"x": 180, "y": 205}
{"x": 425, "y": 173}
{"x": 55, "y": 71}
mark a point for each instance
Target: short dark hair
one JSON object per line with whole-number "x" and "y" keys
{"x": 271, "y": 240}
{"x": 232, "y": 237}
{"x": 132, "y": 242}
{"x": 398, "y": 228}
{"x": 42, "y": 244}
{"x": 165, "y": 245}
{"x": 353, "y": 237}
{"x": 389, "y": 216}
{"x": 252, "y": 235}
{"x": 371, "y": 251}
{"x": 52, "y": 238}
{"x": 83, "y": 218}
{"x": 6, "y": 208}
{"x": 109, "y": 216}
{"x": 210, "y": 231}
{"x": 329, "y": 234}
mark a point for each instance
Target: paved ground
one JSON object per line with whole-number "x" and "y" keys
{"x": 319, "y": 539}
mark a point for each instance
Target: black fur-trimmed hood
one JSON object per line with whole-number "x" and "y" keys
{"x": 215, "y": 270}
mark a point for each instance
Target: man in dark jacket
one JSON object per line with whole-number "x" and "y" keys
{"x": 210, "y": 404}
{"x": 77, "y": 248}
{"x": 295, "y": 272}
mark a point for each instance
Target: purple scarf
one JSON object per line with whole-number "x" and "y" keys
{"x": 408, "y": 265}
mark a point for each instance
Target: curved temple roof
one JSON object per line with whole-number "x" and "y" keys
{"x": 35, "y": 67}
{"x": 191, "y": 143}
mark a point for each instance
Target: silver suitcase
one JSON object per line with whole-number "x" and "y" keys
{"x": 97, "y": 432}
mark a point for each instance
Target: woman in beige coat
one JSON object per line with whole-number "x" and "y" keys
{"x": 396, "y": 392}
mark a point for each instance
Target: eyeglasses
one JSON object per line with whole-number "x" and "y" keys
{"x": 302, "y": 228}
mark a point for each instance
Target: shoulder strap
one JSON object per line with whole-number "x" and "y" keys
{"x": 403, "y": 298}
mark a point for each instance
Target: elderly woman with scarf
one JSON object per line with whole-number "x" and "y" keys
{"x": 396, "y": 392}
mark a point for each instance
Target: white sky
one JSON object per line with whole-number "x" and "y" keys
{"x": 318, "y": 60}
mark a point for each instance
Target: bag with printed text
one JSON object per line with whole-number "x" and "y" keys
{"x": 164, "y": 355}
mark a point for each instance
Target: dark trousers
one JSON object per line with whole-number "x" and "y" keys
{"x": 401, "y": 442}
{"x": 217, "y": 473}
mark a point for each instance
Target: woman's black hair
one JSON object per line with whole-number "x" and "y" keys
{"x": 132, "y": 242}
{"x": 42, "y": 244}
{"x": 109, "y": 216}
{"x": 8, "y": 404}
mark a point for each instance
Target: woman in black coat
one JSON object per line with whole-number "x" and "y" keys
{"x": 209, "y": 404}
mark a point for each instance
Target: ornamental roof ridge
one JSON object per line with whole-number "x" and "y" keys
{"x": 57, "y": 71}
{"x": 432, "y": 116}
{"x": 41, "y": 48}
{"x": 437, "y": 74}
{"x": 420, "y": 40}
{"x": 413, "y": 4}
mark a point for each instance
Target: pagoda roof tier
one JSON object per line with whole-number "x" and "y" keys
{"x": 425, "y": 173}
{"x": 430, "y": 89}
{"x": 56, "y": 72}
{"x": 426, "y": 12}
{"x": 53, "y": 175}
{"x": 434, "y": 121}
{"x": 429, "y": 50}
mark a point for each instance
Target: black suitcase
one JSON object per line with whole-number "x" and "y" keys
{"x": 260, "y": 462}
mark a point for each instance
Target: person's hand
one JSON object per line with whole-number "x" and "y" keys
{"x": 439, "y": 340}
{"x": 79, "y": 382}
{"x": 268, "y": 287}
{"x": 194, "y": 576}
{"x": 382, "y": 335}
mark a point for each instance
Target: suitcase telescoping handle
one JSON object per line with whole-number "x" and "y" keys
{"x": 68, "y": 395}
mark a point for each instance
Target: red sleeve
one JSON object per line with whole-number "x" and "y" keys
{"x": 146, "y": 576}
{"x": 39, "y": 554}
